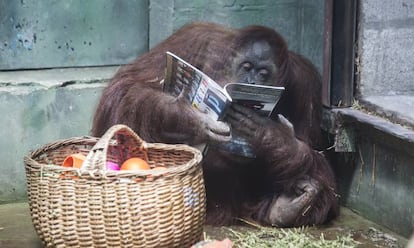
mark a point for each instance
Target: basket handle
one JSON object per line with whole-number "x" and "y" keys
{"x": 95, "y": 161}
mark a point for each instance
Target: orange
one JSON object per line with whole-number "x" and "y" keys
{"x": 135, "y": 164}
{"x": 74, "y": 160}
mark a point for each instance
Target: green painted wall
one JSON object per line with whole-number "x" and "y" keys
{"x": 376, "y": 180}
{"x": 53, "y": 33}
{"x": 299, "y": 21}
{"x": 69, "y": 33}
{"x": 38, "y": 107}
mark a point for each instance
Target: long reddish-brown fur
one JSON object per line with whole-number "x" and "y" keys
{"x": 236, "y": 187}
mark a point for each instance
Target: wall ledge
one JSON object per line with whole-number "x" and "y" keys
{"x": 49, "y": 78}
{"x": 376, "y": 127}
{"x": 396, "y": 108}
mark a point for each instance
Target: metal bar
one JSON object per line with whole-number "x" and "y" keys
{"x": 342, "y": 60}
{"x": 327, "y": 54}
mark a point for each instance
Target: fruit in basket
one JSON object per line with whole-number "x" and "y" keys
{"x": 74, "y": 160}
{"x": 135, "y": 164}
{"x": 112, "y": 166}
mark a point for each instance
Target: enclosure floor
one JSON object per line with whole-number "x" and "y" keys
{"x": 16, "y": 229}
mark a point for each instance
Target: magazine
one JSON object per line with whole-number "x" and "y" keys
{"x": 183, "y": 80}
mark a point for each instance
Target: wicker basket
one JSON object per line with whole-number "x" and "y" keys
{"x": 96, "y": 207}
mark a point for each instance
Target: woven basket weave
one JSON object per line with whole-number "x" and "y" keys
{"x": 96, "y": 207}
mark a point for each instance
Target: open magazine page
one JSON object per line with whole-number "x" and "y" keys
{"x": 262, "y": 98}
{"x": 183, "y": 80}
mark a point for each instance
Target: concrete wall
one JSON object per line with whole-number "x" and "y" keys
{"x": 50, "y": 34}
{"x": 299, "y": 21}
{"x": 377, "y": 178}
{"x": 386, "y": 47}
{"x": 38, "y": 107}
{"x": 385, "y": 58}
